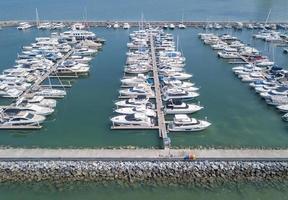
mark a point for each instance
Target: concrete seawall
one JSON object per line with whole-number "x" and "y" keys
{"x": 141, "y": 154}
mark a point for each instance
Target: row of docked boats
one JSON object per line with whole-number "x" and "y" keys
{"x": 267, "y": 79}
{"x": 126, "y": 25}
{"x": 138, "y": 85}
{"x": 55, "y": 56}
{"x": 41, "y": 26}
{"x": 178, "y": 92}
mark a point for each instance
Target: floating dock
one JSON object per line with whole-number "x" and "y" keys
{"x": 161, "y": 126}
{"x": 159, "y": 104}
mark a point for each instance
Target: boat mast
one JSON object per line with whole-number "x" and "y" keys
{"x": 267, "y": 18}
{"x": 37, "y": 18}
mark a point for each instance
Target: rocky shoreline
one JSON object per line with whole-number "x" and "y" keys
{"x": 150, "y": 172}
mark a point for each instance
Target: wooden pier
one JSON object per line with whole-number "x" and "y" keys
{"x": 159, "y": 104}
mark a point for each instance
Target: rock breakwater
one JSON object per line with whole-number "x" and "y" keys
{"x": 176, "y": 172}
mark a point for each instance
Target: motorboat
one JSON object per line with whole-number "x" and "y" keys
{"x": 78, "y": 26}
{"x": 228, "y": 55}
{"x": 283, "y": 108}
{"x": 138, "y": 109}
{"x": 14, "y": 117}
{"x": 116, "y": 25}
{"x": 78, "y": 35}
{"x": 276, "y": 100}
{"x": 133, "y": 81}
{"x": 265, "y": 64}
{"x": 171, "y": 26}
{"x": 178, "y": 75}
{"x": 137, "y": 69}
{"x": 44, "y": 25}
{"x": 24, "y": 26}
{"x": 133, "y": 102}
{"x": 136, "y": 119}
{"x": 126, "y": 25}
{"x": 251, "y": 77}
{"x": 39, "y": 100}
{"x": 84, "y": 52}
{"x": 81, "y": 59}
{"x": 50, "y": 93}
{"x": 181, "y": 26}
{"x": 179, "y": 107}
{"x": 285, "y": 117}
{"x": 32, "y": 108}
{"x": 182, "y": 122}
{"x": 140, "y": 89}
{"x": 176, "y": 93}
{"x": 280, "y": 91}
{"x": 174, "y": 81}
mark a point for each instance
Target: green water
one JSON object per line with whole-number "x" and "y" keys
{"x": 239, "y": 117}
{"x": 91, "y": 191}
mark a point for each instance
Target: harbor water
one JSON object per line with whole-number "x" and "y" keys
{"x": 89, "y": 191}
{"x": 240, "y": 118}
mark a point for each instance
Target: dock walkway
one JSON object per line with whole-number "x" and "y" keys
{"x": 143, "y": 154}
{"x": 159, "y": 105}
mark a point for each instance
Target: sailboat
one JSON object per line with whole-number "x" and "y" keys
{"x": 43, "y": 25}
{"x": 182, "y": 25}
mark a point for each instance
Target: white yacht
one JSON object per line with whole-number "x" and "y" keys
{"x": 78, "y": 26}
{"x": 285, "y": 117}
{"x": 171, "y": 26}
{"x": 126, "y": 25}
{"x": 39, "y": 100}
{"x": 44, "y": 25}
{"x": 116, "y": 25}
{"x": 133, "y": 102}
{"x": 135, "y": 80}
{"x": 179, "y": 75}
{"x": 181, "y": 26}
{"x": 182, "y": 122}
{"x": 228, "y": 55}
{"x": 138, "y": 119}
{"x": 32, "y": 108}
{"x": 24, "y": 26}
{"x": 140, "y": 89}
{"x": 138, "y": 109}
{"x": 50, "y": 93}
{"x": 178, "y": 94}
{"x": 136, "y": 69}
{"x": 78, "y": 35}
{"x": 14, "y": 117}
{"x": 283, "y": 108}
{"x": 179, "y": 107}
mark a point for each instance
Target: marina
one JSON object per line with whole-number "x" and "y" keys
{"x": 155, "y": 112}
{"x": 154, "y": 51}
{"x": 48, "y": 55}
{"x": 268, "y": 80}
{"x": 150, "y": 137}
